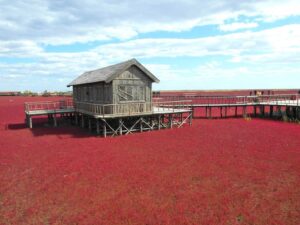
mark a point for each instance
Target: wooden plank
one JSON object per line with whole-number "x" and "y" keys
{"x": 97, "y": 126}
{"x": 30, "y": 122}
{"x": 54, "y": 120}
{"x": 82, "y": 121}
{"x": 104, "y": 128}
{"x": 121, "y": 125}
{"x": 90, "y": 124}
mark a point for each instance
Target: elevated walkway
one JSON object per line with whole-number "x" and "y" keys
{"x": 104, "y": 116}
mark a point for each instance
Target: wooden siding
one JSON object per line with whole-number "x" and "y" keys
{"x": 132, "y": 86}
{"x": 99, "y": 93}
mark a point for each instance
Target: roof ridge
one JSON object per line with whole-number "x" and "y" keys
{"x": 108, "y": 73}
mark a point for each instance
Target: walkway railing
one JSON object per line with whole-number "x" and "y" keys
{"x": 162, "y": 104}
{"x": 130, "y": 108}
{"x": 49, "y": 105}
{"x": 234, "y": 100}
{"x": 115, "y": 109}
{"x": 289, "y": 100}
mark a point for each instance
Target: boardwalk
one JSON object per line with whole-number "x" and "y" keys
{"x": 114, "y": 119}
{"x": 223, "y": 103}
{"x": 163, "y": 112}
{"x": 48, "y": 108}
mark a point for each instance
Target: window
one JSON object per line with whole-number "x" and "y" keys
{"x": 131, "y": 93}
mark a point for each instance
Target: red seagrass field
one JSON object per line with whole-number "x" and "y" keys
{"x": 218, "y": 171}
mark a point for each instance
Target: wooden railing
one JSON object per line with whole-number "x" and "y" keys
{"x": 130, "y": 108}
{"x": 184, "y": 102}
{"x": 235, "y": 100}
{"x": 114, "y": 109}
{"x": 49, "y": 105}
{"x": 292, "y": 100}
{"x": 161, "y": 106}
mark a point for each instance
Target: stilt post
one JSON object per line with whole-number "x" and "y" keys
{"x": 54, "y": 120}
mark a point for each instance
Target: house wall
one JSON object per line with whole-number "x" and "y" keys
{"x": 132, "y": 86}
{"x": 100, "y": 93}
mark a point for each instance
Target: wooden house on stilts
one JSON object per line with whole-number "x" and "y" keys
{"x": 115, "y": 100}
{"x": 115, "y": 86}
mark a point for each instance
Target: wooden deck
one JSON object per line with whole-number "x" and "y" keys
{"x": 83, "y": 113}
{"x": 49, "y": 111}
{"x": 224, "y": 102}
{"x": 154, "y": 111}
{"x": 218, "y": 101}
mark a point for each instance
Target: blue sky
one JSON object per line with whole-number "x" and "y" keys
{"x": 192, "y": 44}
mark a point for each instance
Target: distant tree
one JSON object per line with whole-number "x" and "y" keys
{"x": 45, "y": 93}
{"x": 27, "y": 93}
{"x": 60, "y": 93}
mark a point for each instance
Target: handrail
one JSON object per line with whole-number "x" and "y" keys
{"x": 130, "y": 108}
{"x": 49, "y": 105}
{"x": 231, "y": 100}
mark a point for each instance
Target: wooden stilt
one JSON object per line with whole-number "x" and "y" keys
{"x": 171, "y": 121}
{"x": 141, "y": 125}
{"x": 236, "y": 111}
{"x": 76, "y": 118}
{"x": 26, "y": 119}
{"x": 97, "y": 126}
{"x": 82, "y": 121}
{"x": 294, "y": 112}
{"x": 244, "y": 111}
{"x": 159, "y": 121}
{"x": 30, "y": 121}
{"x": 221, "y": 112}
{"x": 104, "y": 128}
{"x": 271, "y": 111}
{"x": 226, "y": 111}
{"x": 54, "y": 120}
{"x": 190, "y": 120}
{"x": 120, "y": 125}
{"x": 90, "y": 124}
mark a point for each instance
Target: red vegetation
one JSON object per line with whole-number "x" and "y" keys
{"x": 229, "y": 171}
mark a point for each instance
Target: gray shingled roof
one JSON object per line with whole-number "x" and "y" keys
{"x": 107, "y": 74}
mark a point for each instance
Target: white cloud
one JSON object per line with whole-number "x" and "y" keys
{"x": 272, "y": 47}
{"x": 19, "y": 49}
{"x": 272, "y": 10}
{"x": 213, "y": 75}
{"x": 26, "y": 26}
{"x": 280, "y": 42}
{"x": 70, "y": 21}
{"x": 237, "y": 26}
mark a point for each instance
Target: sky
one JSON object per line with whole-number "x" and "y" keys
{"x": 187, "y": 44}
